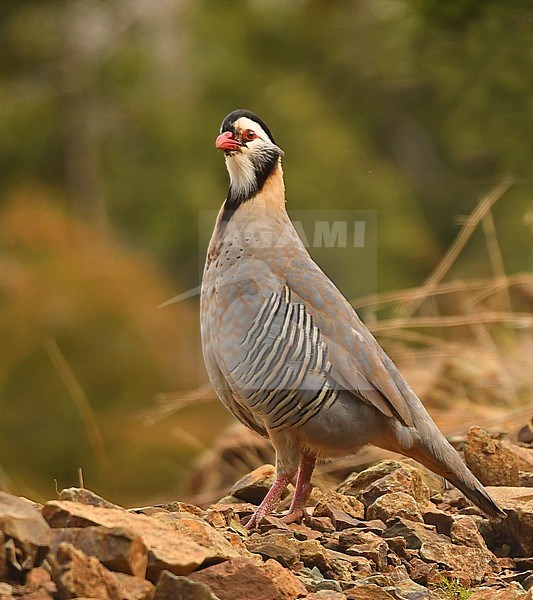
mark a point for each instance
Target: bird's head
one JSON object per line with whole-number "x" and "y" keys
{"x": 250, "y": 151}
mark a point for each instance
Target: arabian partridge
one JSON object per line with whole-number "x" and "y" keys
{"x": 285, "y": 351}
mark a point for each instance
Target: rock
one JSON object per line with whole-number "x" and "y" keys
{"x": 365, "y": 544}
{"x": 525, "y": 434}
{"x": 242, "y": 578}
{"x": 436, "y": 548}
{"x": 434, "y": 482}
{"x": 442, "y": 520}
{"x": 254, "y": 486}
{"x": 406, "y": 479}
{"x": 173, "y": 587}
{"x": 169, "y": 548}
{"x": 39, "y": 579}
{"x": 490, "y": 462}
{"x": 333, "y": 500}
{"x": 464, "y": 532}
{"x": 391, "y": 506}
{"x": 517, "y": 529}
{"x": 288, "y": 585}
{"x": 492, "y": 594}
{"x": 357, "y": 482}
{"x": 313, "y": 554}
{"x": 368, "y": 592}
{"x": 409, "y": 590}
{"x": 326, "y": 595}
{"x": 83, "y": 496}
{"x": 341, "y": 520}
{"x": 279, "y": 545}
{"x": 526, "y": 479}
{"x": 117, "y": 548}
{"x": 23, "y": 530}
{"x": 78, "y": 575}
{"x": 135, "y": 588}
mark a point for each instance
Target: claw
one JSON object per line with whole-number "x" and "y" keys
{"x": 296, "y": 515}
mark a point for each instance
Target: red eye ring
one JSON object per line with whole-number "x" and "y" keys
{"x": 249, "y": 135}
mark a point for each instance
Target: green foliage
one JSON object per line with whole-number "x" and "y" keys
{"x": 453, "y": 589}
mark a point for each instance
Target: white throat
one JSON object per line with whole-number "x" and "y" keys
{"x": 241, "y": 173}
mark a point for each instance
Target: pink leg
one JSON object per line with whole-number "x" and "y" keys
{"x": 271, "y": 499}
{"x": 303, "y": 490}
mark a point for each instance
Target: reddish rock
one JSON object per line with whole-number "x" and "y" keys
{"x": 394, "y": 505}
{"x": 465, "y": 532}
{"x": 39, "y": 579}
{"x": 494, "y": 594}
{"x": 368, "y": 592}
{"x": 289, "y": 587}
{"x": 367, "y": 545}
{"x": 169, "y": 547}
{"x": 490, "y": 462}
{"x": 173, "y": 587}
{"x": 357, "y": 482}
{"x": 254, "y": 486}
{"x": 326, "y": 595}
{"x": 116, "y": 547}
{"x": 78, "y": 575}
{"x": 279, "y": 545}
{"x": 84, "y": 496}
{"x": 135, "y": 588}
{"x": 406, "y": 479}
{"x": 334, "y": 501}
{"x": 436, "y": 548}
{"x": 241, "y": 578}
{"x": 517, "y": 529}
{"x": 23, "y": 528}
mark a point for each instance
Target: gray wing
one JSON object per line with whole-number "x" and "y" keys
{"x": 282, "y": 375}
{"x": 359, "y": 364}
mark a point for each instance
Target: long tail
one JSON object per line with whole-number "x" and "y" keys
{"x": 434, "y": 451}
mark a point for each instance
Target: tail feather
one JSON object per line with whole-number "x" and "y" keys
{"x": 429, "y": 447}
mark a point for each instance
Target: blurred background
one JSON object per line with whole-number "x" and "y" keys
{"x": 418, "y": 110}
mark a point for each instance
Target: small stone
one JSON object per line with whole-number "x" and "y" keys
{"x": 517, "y": 529}
{"x": 288, "y": 585}
{"x": 326, "y": 595}
{"x": 357, "y": 482}
{"x": 116, "y": 547}
{"x": 464, "y": 532}
{"x": 279, "y": 545}
{"x": 39, "y": 578}
{"x": 172, "y": 587}
{"x": 394, "y": 505}
{"x": 525, "y": 434}
{"x": 27, "y": 531}
{"x": 368, "y": 592}
{"x": 328, "y": 585}
{"x": 313, "y": 554}
{"x": 409, "y": 590}
{"x": 239, "y": 578}
{"x": 367, "y": 545}
{"x": 84, "y": 496}
{"x": 334, "y": 501}
{"x": 78, "y": 575}
{"x": 178, "y": 546}
{"x": 493, "y": 594}
{"x": 406, "y": 479}
{"x": 254, "y": 486}
{"x": 135, "y": 588}
{"x": 490, "y": 462}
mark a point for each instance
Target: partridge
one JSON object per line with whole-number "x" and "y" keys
{"x": 285, "y": 351}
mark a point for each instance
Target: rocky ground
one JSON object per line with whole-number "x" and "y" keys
{"x": 391, "y": 531}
